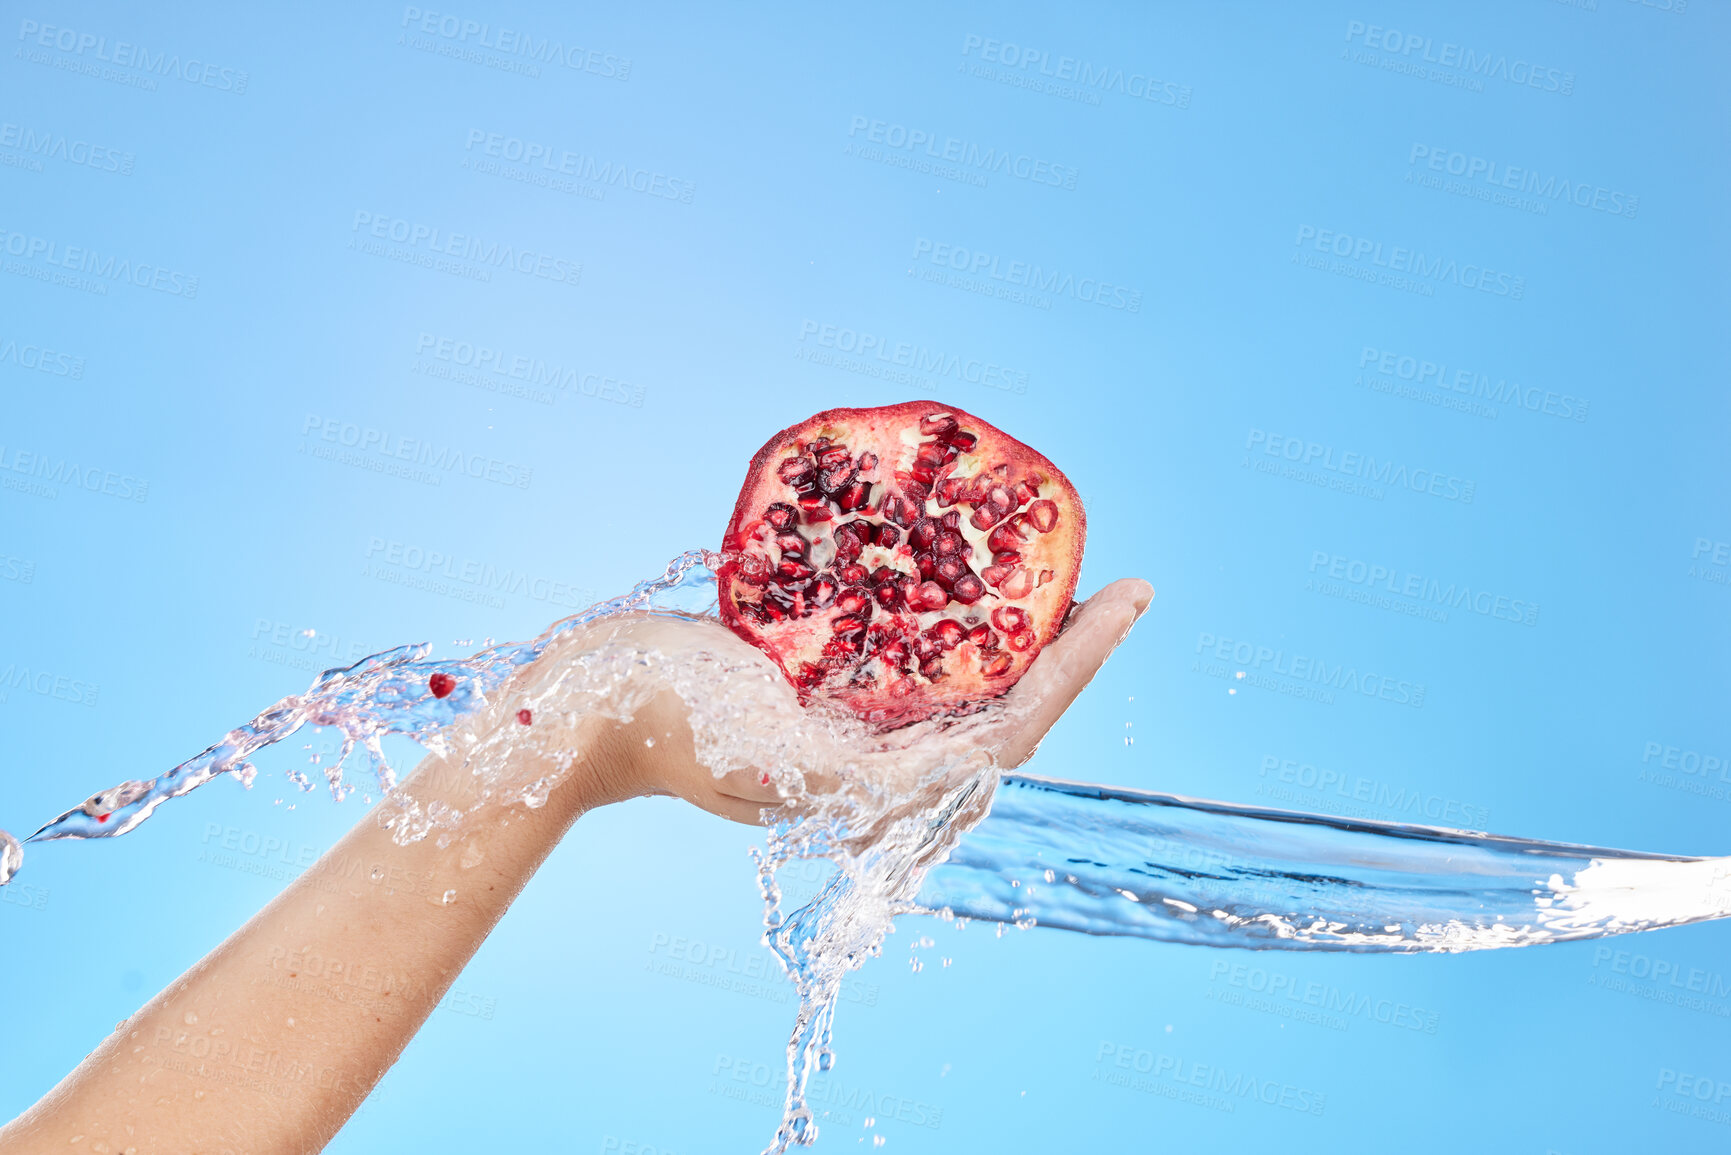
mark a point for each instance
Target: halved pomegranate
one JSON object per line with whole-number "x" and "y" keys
{"x": 908, "y": 561}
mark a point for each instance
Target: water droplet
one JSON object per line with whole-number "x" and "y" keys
{"x": 1050, "y": 877}
{"x": 649, "y": 742}
{"x": 189, "y": 1018}
{"x": 378, "y": 873}
{"x": 11, "y": 857}
{"x": 825, "y": 1059}
{"x": 871, "y": 1121}
{"x": 450, "y": 897}
{"x": 291, "y": 1020}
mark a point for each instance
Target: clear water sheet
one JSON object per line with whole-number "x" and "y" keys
{"x": 1110, "y": 861}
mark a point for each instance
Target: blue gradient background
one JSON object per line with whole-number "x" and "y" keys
{"x": 591, "y": 1020}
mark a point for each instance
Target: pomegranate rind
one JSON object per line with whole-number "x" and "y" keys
{"x": 772, "y": 599}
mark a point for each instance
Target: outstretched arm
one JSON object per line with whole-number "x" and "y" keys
{"x": 270, "y": 1042}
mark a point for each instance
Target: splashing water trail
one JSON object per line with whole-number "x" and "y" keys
{"x": 884, "y": 838}
{"x": 1176, "y": 869}
{"x": 948, "y": 838}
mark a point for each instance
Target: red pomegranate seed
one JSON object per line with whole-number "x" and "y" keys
{"x": 1010, "y": 619}
{"x": 525, "y": 717}
{"x": 1044, "y": 515}
{"x": 1010, "y": 534}
{"x": 996, "y": 666}
{"x": 1019, "y": 584}
{"x": 853, "y": 496}
{"x": 968, "y": 589}
{"x": 985, "y": 517}
{"x": 928, "y": 596}
{"x": 852, "y": 600}
{"x": 441, "y": 685}
{"x": 948, "y": 633}
{"x": 1021, "y": 641}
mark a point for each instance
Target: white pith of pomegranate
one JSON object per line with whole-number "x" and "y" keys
{"x": 907, "y": 560}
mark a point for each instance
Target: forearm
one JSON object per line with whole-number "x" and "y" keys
{"x": 271, "y": 1041}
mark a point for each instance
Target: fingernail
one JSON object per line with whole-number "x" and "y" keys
{"x": 1143, "y": 598}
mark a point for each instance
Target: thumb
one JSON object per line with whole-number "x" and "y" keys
{"x": 1094, "y": 630}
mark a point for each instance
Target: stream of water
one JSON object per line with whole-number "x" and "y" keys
{"x": 957, "y": 840}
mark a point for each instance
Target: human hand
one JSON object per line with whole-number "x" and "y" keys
{"x": 711, "y": 699}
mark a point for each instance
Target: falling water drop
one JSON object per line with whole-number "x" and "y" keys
{"x": 11, "y": 857}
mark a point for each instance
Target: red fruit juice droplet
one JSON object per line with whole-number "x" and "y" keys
{"x": 525, "y": 717}
{"x": 441, "y": 685}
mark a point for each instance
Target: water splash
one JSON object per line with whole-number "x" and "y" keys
{"x": 1086, "y": 858}
{"x": 384, "y": 693}
{"x": 11, "y": 857}
{"x": 883, "y": 828}
{"x": 1111, "y": 861}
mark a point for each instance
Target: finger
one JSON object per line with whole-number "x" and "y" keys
{"x": 751, "y": 784}
{"x": 1094, "y": 630}
{"x": 743, "y": 810}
